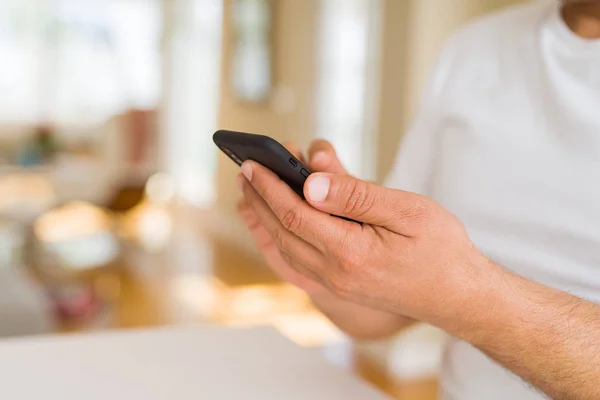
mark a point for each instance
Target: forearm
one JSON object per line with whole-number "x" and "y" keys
{"x": 549, "y": 338}
{"x": 358, "y": 321}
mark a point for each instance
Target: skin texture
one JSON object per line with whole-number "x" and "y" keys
{"x": 361, "y": 322}
{"x": 356, "y": 320}
{"x": 413, "y": 258}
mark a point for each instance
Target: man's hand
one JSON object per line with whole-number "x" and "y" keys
{"x": 358, "y": 321}
{"x": 411, "y": 256}
{"x": 321, "y": 157}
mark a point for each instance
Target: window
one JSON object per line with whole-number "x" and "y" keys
{"x": 192, "y": 86}
{"x": 348, "y": 81}
{"x": 75, "y": 63}
{"x": 72, "y": 62}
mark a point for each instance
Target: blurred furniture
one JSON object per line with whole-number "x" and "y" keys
{"x": 91, "y": 164}
{"x": 184, "y": 363}
{"x": 26, "y": 193}
{"x": 23, "y": 308}
{"x": 50, "y": 255}
{"x": 71, "y": 247}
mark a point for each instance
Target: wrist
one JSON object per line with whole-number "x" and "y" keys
{"x": 480, "y": 301}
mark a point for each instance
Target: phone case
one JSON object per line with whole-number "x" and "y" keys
{"x": 266, "y": 151}
{"x": 240, "y": 146}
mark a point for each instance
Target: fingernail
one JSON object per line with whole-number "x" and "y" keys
{"x": 320, "y": 157}
{"x": 318, "y": 188}
{"x": 240, "y": 182}
{"x": 247, "y": 171}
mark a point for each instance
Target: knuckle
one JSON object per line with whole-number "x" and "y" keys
{"x": 339, "y": 249}
{"x": 423, "y": 207}
{"x": 291, "y": 219}
{"x": 421, "y": 212}
{"x": 287, "y": 258}
{"x": 341, "y": 286}
{"x": 266, "y": 192}
{"x": 349, "y": 258}
{"x": 280, "y": 240}
{"x": 252, "y": 222}
{"x": 351, "y": 262}
{"x": 359, "y": 200}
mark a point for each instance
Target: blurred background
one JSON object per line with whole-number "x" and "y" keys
{"x": 116, "y": 210}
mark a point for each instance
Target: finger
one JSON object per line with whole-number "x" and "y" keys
{"x": 260, "y": 235}
{"x": 343, "y": 195}
{"x": 269, "y": 250}
{"x": 295, "y": 215}
{"x": 323, "y": 158}
{"x": 295, "y": 150}
{"x": 285, "y": 265}
{"x": 253, "y": 224}
{"x": 301, "y": 268}
{"x": 286, "y": 241}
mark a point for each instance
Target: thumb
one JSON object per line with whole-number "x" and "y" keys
{"x": 345, "y": 196}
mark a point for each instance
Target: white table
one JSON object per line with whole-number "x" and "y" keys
{"x": 175, "y": 364}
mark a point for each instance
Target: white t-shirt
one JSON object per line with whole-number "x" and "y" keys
{"x": 508, "y": 139}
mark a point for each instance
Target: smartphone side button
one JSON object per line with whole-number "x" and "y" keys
{"x": 305, "y": 173}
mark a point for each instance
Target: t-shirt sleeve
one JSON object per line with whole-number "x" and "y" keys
{"x": 415, "y": 160}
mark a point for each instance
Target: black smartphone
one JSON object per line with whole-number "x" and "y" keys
{"x": 266, "y": 151}
{"x": 240, "y": 146}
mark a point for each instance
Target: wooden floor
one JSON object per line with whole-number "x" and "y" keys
{"x": 197, "y": 278}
